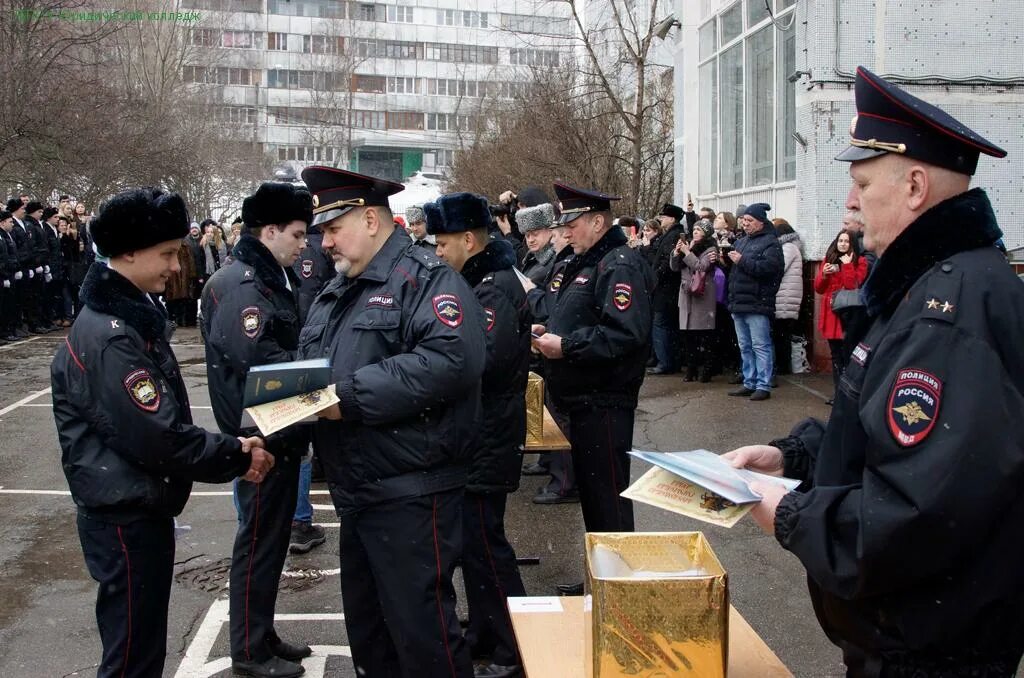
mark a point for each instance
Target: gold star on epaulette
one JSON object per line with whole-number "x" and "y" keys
{"x": 933, "y": 303}
{"x": 947, "y": 307}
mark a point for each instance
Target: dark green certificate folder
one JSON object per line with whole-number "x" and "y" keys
{"x": 269, "y": 383}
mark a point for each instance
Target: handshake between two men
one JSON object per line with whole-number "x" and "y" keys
{"x": 262, "y": 461}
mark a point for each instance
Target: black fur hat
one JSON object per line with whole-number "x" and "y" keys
{"x": 457, "y": 213}
{"x": 33, "y": 206}
{"x": 14, "y": 204}
{"x": 275, "y": 202}
{"x": 138, "y": 218}
{"x": 49, "y": 212}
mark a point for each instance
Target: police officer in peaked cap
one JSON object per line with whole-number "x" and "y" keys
{"x": 909, "y": 516}
{"x": 406, "y": 337}
{"x": 597, "y": 340}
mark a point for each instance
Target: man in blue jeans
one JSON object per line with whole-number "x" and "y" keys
{"x": 305, "y": 535}
{"x": 756, "y": 275}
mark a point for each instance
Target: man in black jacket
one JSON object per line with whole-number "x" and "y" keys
{"x": 251, "y": 318}
{"x": 41, "y": 266}
{"x": 53, "y": 272}
{"x": 129, "y": 449}
{"x": 8, "y": 274}
{"x": 406, "y": 338}
{"x": 460, "y": 223}
{"x": 25, "y": 287}
{"x": 908, "y": 520}
{"x": 665, "y": 302}
{"x": 757, "y": 267}
{"x": 596, "y": 342}
{"x": 193, "y": 239}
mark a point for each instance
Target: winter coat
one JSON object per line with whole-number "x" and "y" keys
{"x": 128, "y": 445}
{"x": 179, "y": 285}
{"x": 849, "y": 277}
{"x": 696, "y": 312}
{"x": 406, "y": 341}
{"x": 315, "y": 268}
{"x": 666, "y": 278}
{"x": 791, "y": 289}
{"x": 537, "y": 265}
{"x": 498, "y": 457}
{"x": 754, "y": 280}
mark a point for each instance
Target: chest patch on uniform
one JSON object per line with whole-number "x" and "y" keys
{"x": 556, "y": 283}
{"x": 860, "y": 354}
{"x": 622, "y": 296}
{"x": 913, "y": 406}
{"x": 581, "y": 280}
{"x": 488, "y": 318}
{"x": 448, "y": 309}
{"x": 381, "y": 300}
{"x": 143, "y": 391}
{"x": 307, "y": 268}
{"x": 251, "y": 321}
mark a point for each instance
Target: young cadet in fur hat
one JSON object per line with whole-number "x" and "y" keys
{"x": 406, "y": 338}
{"x": 908, "y": 521}
{"x": 460, "y": 223}
{"x": 250, "y": 318}
{"x": 129, "y": 449}
{"x": 596, "y": 341}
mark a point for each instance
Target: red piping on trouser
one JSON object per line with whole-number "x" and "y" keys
{"x": 440, "y": 609}
{"x": 128, "y": 562}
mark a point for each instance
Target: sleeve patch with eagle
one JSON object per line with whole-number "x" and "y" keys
{"x": 622, "y": 296}
{"x": 913, "y": 406}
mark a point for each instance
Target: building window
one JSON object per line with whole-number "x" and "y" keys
{"x": 474, "y": 19}
{"x": 437, "y": 122}
{"x": 403, "y": 86}
{"x": 204, "y": 37}
{"x": 323, "y": 44}
{"x": 324, "y": 9}
{"x": 245, "y": 115}
{"x": 746, "y": 127}
{"x": 373, "y": 84}
{"x": 459, "y": 53}
{"x": 444, "y": 157}
{"x": 306, "y": 153}
{"x": 220, "y": 75}
{"x": 400, "y": 14}
{"x": 224, "y": 5}
{"x": 277, "y": 41}
{"x": 405, "y": 120}
{"x": 368, "y": 119}
{"x": 241, "y": 39}
{"x": 364, "y": 11}
{"x": 533, "y": 57}
{"x": 523, "y": 23}
{"x": 446, "y": 17}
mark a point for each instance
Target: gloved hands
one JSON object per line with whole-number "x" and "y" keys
{"x": 7, "y": 284}
{"x": 39, "y": 270}
{"x": 19, "y": 275}
{"x": 31, "y": 274}
{"x": 48, "y": 278}
{"x": 46, "y": 269}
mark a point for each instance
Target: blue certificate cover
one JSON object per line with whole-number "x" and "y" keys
{"x": 270, "y": 383}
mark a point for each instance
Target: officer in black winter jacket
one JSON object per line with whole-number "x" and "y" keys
{"x": 597, "y": 341}
{"x": 9, "y": 271}
{"x": 757, "y": 267}
{"x": 665, "y": 300}
{"x": 314, "y": 269}
{"x": 251, "y": 318}
{"x": 53, "y": 278}
{"x": 909, "y": 518}
{"x": 26, "y": 284}
{"x": 40, "y": 262}
{"x": 406, "y": 337}
{"x": 129, "y": 449}
{"x": 460, "y": 222}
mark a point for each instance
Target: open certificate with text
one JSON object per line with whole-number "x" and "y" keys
{"x": 699, "y": 484}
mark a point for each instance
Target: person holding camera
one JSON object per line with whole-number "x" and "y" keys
{"x": 695, "y": 262}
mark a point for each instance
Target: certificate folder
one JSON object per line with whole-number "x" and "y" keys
{"x": 278, "y": 381}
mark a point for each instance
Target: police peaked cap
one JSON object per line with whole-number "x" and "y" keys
{"x": 575, "y": 202}
{"x": 139, "y": 218}
{"x": 890, "y": 120}
{"x": 276, "y": 202}
{"x": 457, "y": 213}
{"x": 336, "y": 191}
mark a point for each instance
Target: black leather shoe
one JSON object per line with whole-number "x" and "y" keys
{"x": 275, "y": 667}
{"x": 570, "y": 589}
{"x": 742, "y": 393}
{"x": 546, "y": 496}
{"x": 534, "y": 470}
{"x": 497, "y": 671}
{"x": 759, "y": 395}
{"x": 290, "y": 651}
{"x": 738, "y": 379}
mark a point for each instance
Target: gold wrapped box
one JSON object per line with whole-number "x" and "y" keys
{"x": 534, "y": 410}
{"x": 657, "y": 605}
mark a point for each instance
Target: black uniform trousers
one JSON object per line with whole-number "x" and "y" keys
{"x": 26, "y": 290}
{"x": 265, "y": 513}
{"x": 9, "y": 310}
{"x": 559, "y": 464}
{"x": 491, "y": 575}
{"x": 397, "y": 561}
{"x": 133, "y": 565}
{"x": 600, "y": 438}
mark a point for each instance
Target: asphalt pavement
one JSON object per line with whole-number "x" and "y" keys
{"x": 47, "y": 624}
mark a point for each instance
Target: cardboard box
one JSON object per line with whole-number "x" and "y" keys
{"x": 658, "y": 606}
{"x": 534, "y": 410}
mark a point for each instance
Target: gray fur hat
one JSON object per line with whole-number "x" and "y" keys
{"x": 414, "y": 214}
{"x": 535, "y": 218}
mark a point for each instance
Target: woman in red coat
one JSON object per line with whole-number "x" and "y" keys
{"x": 842, "y": 269}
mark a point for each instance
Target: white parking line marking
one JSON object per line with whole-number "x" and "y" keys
{"x": 197, "y": 662}
{"x": 16, "y": 344}
{"x": 26, "y": 399}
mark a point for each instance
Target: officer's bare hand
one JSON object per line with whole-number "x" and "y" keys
{"x": 549, "y": 345}
{"x": 761, "y": 458}
{"x": 333, "y": 413}
{"x": 262, "y": 462}
{"x": 251, "y": 442}
{"x": 764, "y": 511}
